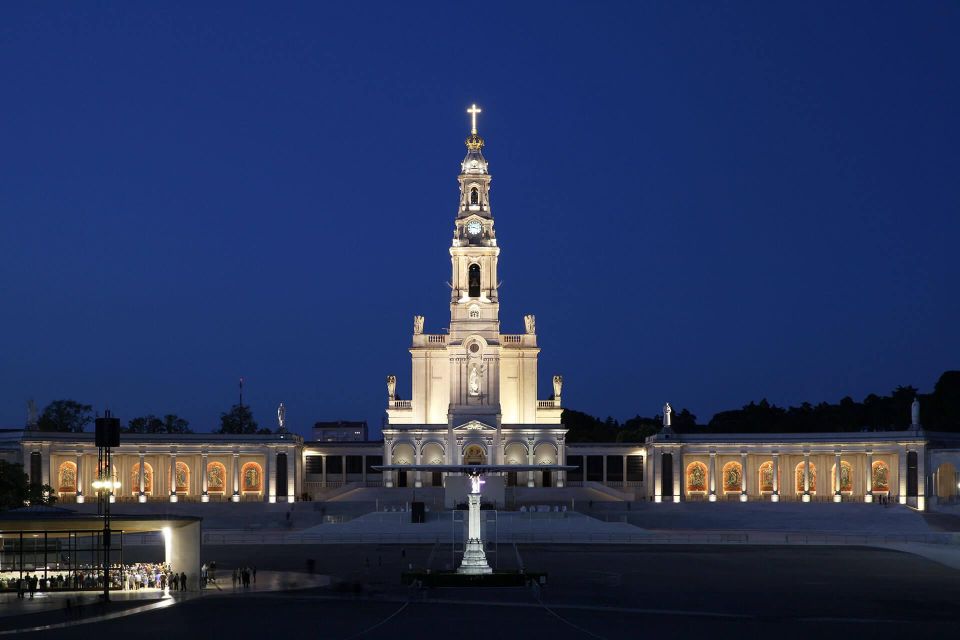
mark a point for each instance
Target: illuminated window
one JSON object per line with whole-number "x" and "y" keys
{"x": 474, "y": 280}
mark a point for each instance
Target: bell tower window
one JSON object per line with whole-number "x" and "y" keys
{"x": 474, "y": 280}
{"x": 474, "y": 196}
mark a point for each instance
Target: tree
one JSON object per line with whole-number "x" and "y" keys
{"x": 238, "y": 420}
{"x": 65, "y": 415}
{"x": 17, "y": 491}
{"x": 150, "y": 423}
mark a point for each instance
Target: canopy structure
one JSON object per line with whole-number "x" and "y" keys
{"x": 474, "y": 557}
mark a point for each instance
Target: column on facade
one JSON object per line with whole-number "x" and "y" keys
{"x": 603, "y": 478}
{"x": 236, "y": 477}
{"x": 868, "y": 492}
{"x": 323, "y": 471}
{"x": 46, "y": 461}
{"x": 173, "y": 476}
{"x": 363, "y": 461}
{"x": 743, "y": 476}
{"x": 343, "y": 470}
{"x": 530, "y": 474}
{"x": 273, "y": 468}
{"x": 387, "y": 459}
{"x": 775, "y": 496}
{"x": 204, "y": 488}
{"x": 902, "y": 475}
{"x": 676, "y": 475}
{"x": 921, "y": 479}
{"x": 657, "y": 476}
{"x": 624, "y": 467}
{"x": 712, "y": 476}
{"x": 79, "y": 476}
{"x": 837, "y": 497}
{"x": 562, "y": 459}
{"x": 291, "y": 475}
{"x": 806, "y": 476}
{"x": 142, "y": 494}
{"x": 417, "y": 451}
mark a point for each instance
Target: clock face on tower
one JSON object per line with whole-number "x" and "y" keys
{"x": 474, "y": 227}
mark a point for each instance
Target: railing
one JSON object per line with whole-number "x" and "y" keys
{"x": 437, "y": 339}
{"x": 401, "y": 404}
{"x": 512, "y": 339}
{"x": 546, "y": 404}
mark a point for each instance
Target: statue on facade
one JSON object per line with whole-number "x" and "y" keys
{"x": 31, "y": 415}
{"x": 557, "y": 386}
{"x": 473, "y": 385}
{"x": 667, "y": 411}
{"x": 282, "y": 418}
{"x": 391, "y": 387}
{"x": 915, "y": 413}
{"x": 530, "y": 322}
{"x": 417, "y": 325}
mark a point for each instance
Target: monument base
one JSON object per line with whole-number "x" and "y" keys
{"x": 446, "y": 579}
{"x": 474, "y": 560}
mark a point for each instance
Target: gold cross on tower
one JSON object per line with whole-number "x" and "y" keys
{"x": 473, "y": 111}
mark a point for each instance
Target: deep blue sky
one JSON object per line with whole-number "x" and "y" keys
{"x": 702, "y": 203}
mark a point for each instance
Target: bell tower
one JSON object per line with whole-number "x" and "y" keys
{"x": 474, "y": 340}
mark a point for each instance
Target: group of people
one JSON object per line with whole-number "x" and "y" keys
{"x": 146, "y": 575}
{"x": 127, "y": 577}
{"x": 242, "y": 576}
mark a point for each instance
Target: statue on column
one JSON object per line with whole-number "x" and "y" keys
{"x": 667, "y": 411}
{"x": 391, "y": 387}
{"x": 915, "y": 413}
{"x": 282, "y": 418}
{"x": 557, "y": 387}
{"x": 417, "y": 325}
{"x": 31, "y": 415}
{"x": 530, "y": 323}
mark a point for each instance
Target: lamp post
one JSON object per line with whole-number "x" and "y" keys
{"x": 107, "y": 436}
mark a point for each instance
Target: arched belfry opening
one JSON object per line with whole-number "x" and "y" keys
{"x": 474, "y": 196}
{"x": 474, "y": 280}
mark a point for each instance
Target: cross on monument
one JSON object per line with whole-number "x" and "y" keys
{"x": 473, "y": 111}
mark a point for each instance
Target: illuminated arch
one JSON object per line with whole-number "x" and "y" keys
{"x": 147, "y": 479}
{"x": 182, "y": 482}
{"x": 765, "y": 477}
{"x": 474, "y": 453}
{"x": 696, "y": 477}
{"x": 880, "y": 477}
{"x": 216, "y": 477}
{"x": 846, "y": 477}
{"x": 67, "y": 478}
{"x": 403, "y": 453}
{"x": 251, "y": 478}
{"x": 515, "y": 453}
{"x": 545, "y": 453}
{"x": 798, "y": 478}
{"x": 732, "y": 477}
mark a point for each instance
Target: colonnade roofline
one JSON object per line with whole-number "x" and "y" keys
{"x": 813, "y": 439}
{"x": 213, "y": 439}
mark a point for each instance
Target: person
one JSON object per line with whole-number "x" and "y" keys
{"x": 20, "y": 588}
{"x": 236, "y": 574}
{"x": 254, "y": 574}
{"x": 183, "y": 581}
{"x": 33, "y": 585}
{"x": 175, "y": 581}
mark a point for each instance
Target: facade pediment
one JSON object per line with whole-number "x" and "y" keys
{"x": 475, "y": 425}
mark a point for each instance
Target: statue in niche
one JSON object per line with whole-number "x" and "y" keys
{"x": 766, "y": 476}
{"x": 530, "y": 323}
{"x": 68, "y": 479}
{"x": 557, "y": 386}
{"x": 391, "y": 387}
{"x": 215, "y": 477}
{"x": 473, "y": 386}
{"x": 667, "y": 411}
{"x": 251, "y": 479}
{"x": 698, "y": 478}
{"x": 417, "y": 325}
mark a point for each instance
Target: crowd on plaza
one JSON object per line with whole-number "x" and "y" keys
{"x": 129, "y": 577}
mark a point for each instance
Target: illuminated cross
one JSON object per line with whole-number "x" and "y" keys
{"x": 473, "y": 111}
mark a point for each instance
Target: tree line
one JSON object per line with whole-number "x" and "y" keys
{"x": 70, "y": 416}
{"x": 939, "y": 411}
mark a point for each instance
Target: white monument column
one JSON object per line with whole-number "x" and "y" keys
{"x": 236, "y": 477}
{"x": 291, "y": 475}
{"x": 142, "y": 496}
{"x": 272, "y": 465}
{"x": 417, "y": 451}
{"x": 712, "y": 476}
{"x": 838, "y": 466}
{"x": 173, "y": 476}
{"x": 79, "y": 476}
{"x": 474, "y": 558}
{"x": 806, "y": 476}
{"x": 204, "y": 495}
{"x": 775, "y": 496}
{"x": 530, "y": 474}
{"x": 743, "y": 476}
{"x": 868, "y": 492}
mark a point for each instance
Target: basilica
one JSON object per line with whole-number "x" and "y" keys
{"x": 474, "y": 399}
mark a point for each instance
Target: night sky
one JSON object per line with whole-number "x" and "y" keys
{"x": 702, "y": 203}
